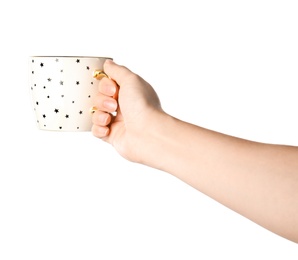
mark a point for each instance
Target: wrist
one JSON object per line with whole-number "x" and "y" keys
{"x": 156, "y": 141}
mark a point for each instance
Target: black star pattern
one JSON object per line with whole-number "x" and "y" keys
{"x": 50, "y": 82}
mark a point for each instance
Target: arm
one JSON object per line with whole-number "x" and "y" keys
{"x": 257, "y": 180}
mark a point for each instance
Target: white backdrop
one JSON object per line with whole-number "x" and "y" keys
{"x": 230, "y": 66}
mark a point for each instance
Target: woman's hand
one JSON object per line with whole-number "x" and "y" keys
{"x": 136, "y": 105}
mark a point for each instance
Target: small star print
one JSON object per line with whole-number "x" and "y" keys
{"x": 61, "y": 71}
{"x": 61, "y": 82}
{"x": 78, "y": 83}
{"x": 88, "y": 68}
{"x": 49, "y": 79}
{"x": 78, "y": 61}
{"x": 41, "y": 64}
{"x": 81, "y": 112}
{"x": 67, "y": 116}
{"x": 56, "y": 110}
{"x": 36, "y": 103}
{"x": 44, "y": 116}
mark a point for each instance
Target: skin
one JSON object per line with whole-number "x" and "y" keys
{"x": 257, "y": 180}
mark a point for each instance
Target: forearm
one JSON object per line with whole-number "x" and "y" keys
{"x": 259, "y": 181}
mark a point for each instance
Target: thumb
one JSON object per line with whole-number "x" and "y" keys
{"x": 116, "y": 72}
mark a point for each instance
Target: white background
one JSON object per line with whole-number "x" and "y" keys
{"x": 230, "y": 66}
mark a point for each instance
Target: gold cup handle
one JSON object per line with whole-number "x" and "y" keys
{"x": 99, "y": 74}
{"x": 93, "y": 109}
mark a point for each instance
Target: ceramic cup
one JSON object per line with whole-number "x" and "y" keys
{"x": 63, "y": 90}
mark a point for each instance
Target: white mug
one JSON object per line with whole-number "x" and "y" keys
{"x": 63, "y": 89}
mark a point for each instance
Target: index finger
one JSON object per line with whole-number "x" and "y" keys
{"x": 116, "y": 72}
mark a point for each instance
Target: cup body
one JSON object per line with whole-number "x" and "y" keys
{"x": 63, "y": 91}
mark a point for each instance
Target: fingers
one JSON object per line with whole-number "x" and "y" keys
{"x": 106, "y": 98}
{"x": 107, "y": 87}
{"x": 116, "y": 72}
{"x": 100, "y": 131}
{"x": 105, "y": 103}
{"x": 101, "y": 120}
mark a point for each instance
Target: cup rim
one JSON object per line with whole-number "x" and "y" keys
{"x": 59, "y": 56}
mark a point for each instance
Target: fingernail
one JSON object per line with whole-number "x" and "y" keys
{"x": 103, "y": 131}
{"x": 109, "y": 61}
{"x": 103, "y": 118}
{"x": 112, "y": 90}
{"x": 111, "y": 105}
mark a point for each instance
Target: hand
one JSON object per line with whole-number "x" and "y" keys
{"x": 137, "y": 106}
